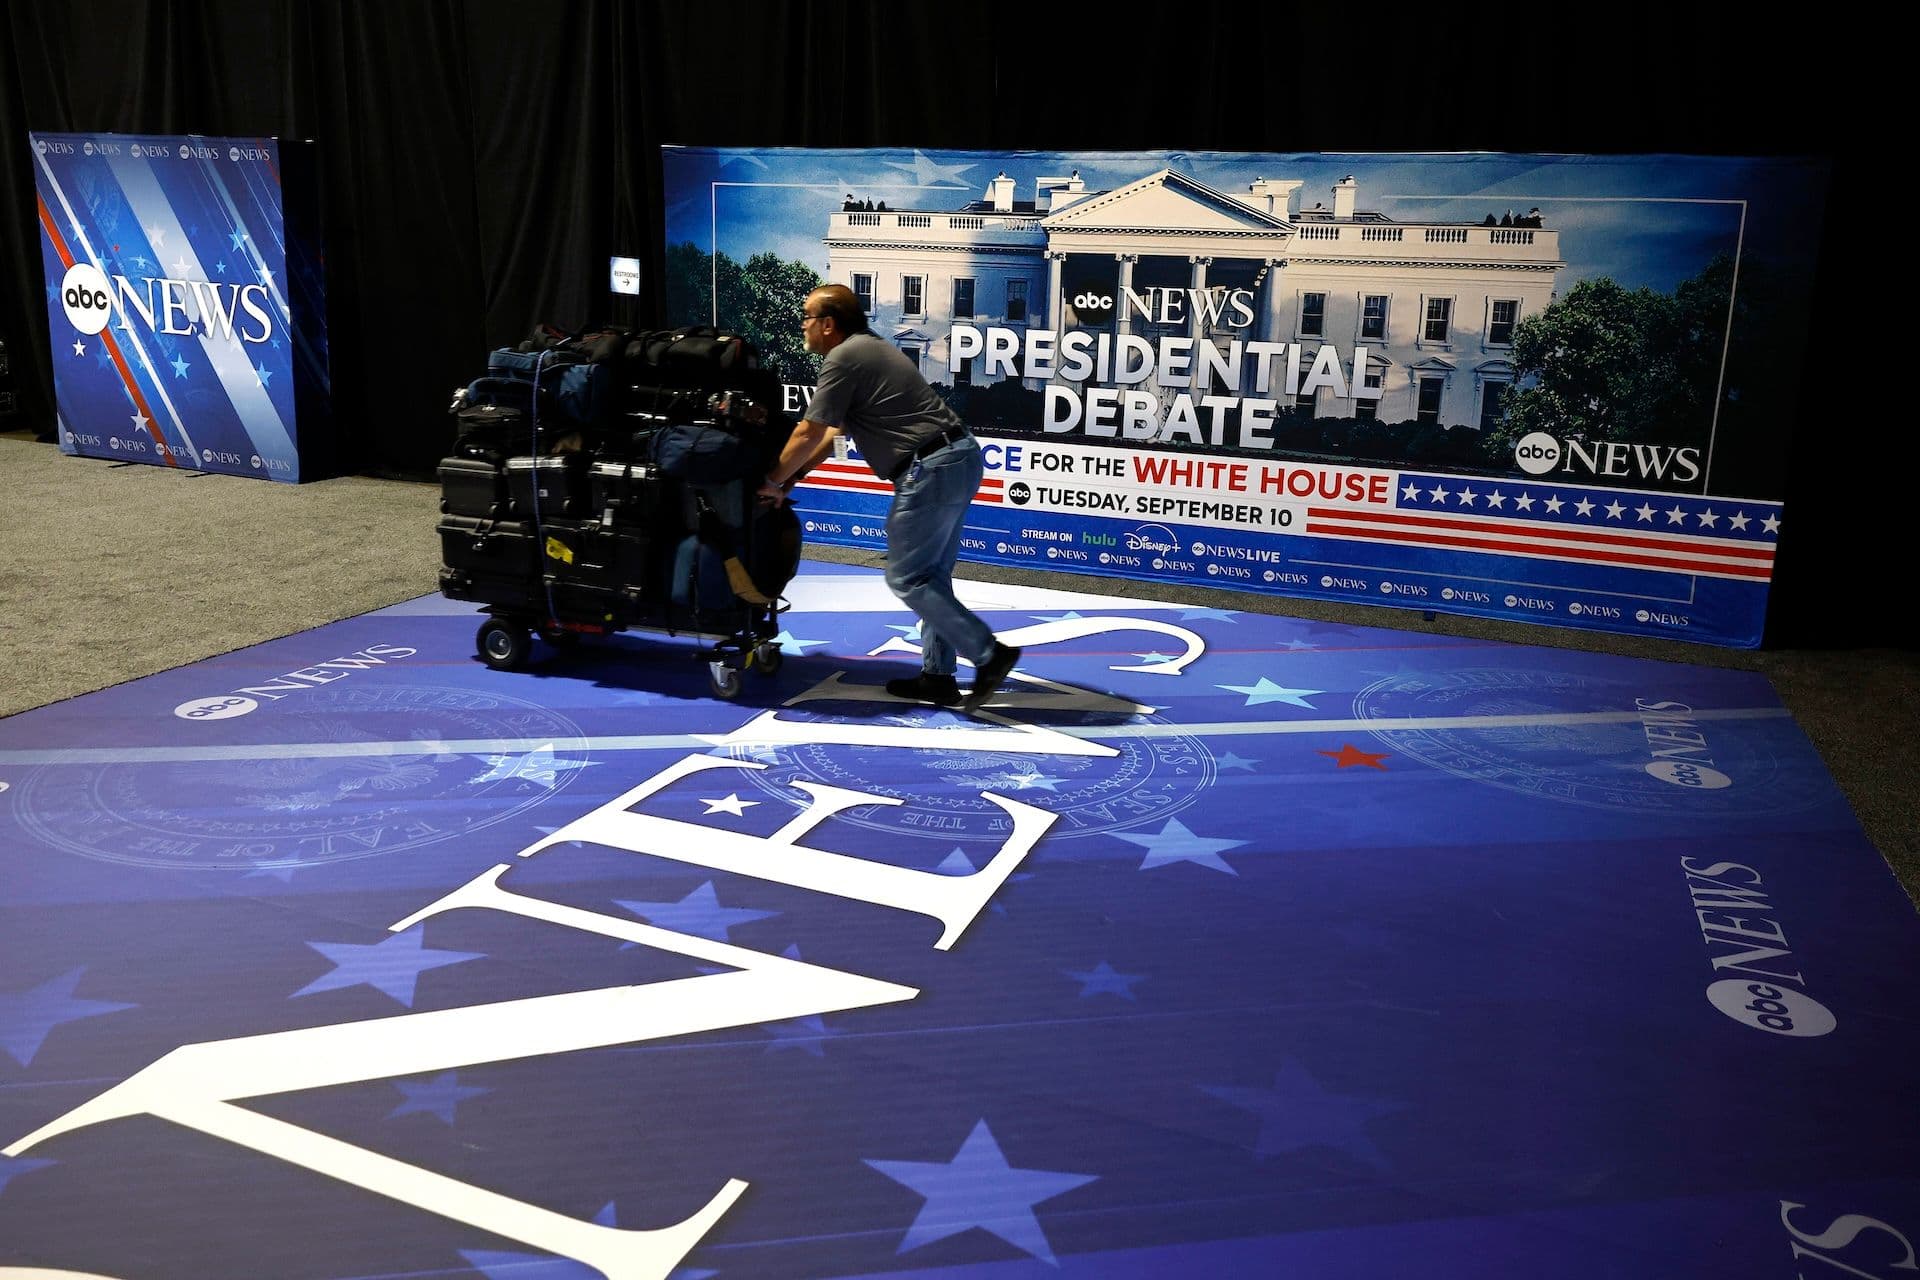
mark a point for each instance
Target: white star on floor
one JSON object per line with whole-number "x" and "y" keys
{"x": 1174, "y": 843}
{"x": 1268, "y": 691}
{"x": 733, "y": 804}
{"x": 538, "y": 765}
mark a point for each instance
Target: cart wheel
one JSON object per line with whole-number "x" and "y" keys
{"x": 725, "y": 679}
{"x": 766, "y": 658}
{"x": 502, "y": 645}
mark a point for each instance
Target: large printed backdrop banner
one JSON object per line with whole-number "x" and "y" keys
{"x": 186, "y": 302}
{"x": 1549, "y": 389}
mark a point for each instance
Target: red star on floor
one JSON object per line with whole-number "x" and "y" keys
{"x": 1348, "y": 755}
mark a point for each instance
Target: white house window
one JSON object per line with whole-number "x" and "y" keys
{"x": 1313, "y": 315}
{"x": 1490, "y": 404}
{"x": 1303, "y": 404}
{"x": 963, "y": 376}
{"x": 1373, "y": 315}
{"x": 1016, "y": 300}
{"x": 863, "y": 290}
{"x": 1439, "y": 320}
{"x": 1428, "y": 410}
{"x": 1367, "y": 409}
{"x": 913, "y": 295}
{"x": 963, "y": 297}
{"x": 1504, "y": 315}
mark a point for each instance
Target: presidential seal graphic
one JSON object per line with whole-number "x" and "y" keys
{"x": 1607, "y": 744}
{"x": 1149, "y": 779}
{"x": 348, "y": 774}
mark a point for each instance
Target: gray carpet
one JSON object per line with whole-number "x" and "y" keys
{"x": 116, "y": 571}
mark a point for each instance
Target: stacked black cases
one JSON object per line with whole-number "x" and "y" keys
{"x": 593, "y": 523}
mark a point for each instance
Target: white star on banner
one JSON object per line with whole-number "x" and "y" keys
{"x": 1771, "y": 524}
{"x": 1676, "y": 515}
{"x": 1739, "y": 521}
{"x": 1438, "y": 494}
{"x": 1496, "y": 500}
{"x": 79, "y": 347}
{"x": 1707, "y": 518}
{"x": 1411, "y": 492}
{"x": 1525, "y": 501}
{"x": 1467, "y": 496}
{"x": 1584, "y": 507}
{"x": 1644, "y": 511}
{"x": 157, "y": 237}
{"x": 1614, "y": 510}
{"x": 1554, "y": 505}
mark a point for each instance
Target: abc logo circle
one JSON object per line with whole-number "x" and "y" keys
{"x": 1641, "y": 615}
{"x": 1092, "y": 305}
{"x": 88, "y": 148}
{"x": 218, "y": 707}
{"x": 1326, "y": 580}
{"x": 1446, "y": 593}
{"x": 183, "y": 151}
{"x": 1770, "y": 1008}
{"x": 136, "y": 151}
{"x": 1574, "y": 608}
{"x": 1267, "y": 576}
{"x": 1053, "y": 553}
{"x": 1536, "y": 453}
{"x": 1684, "y": 773}
{"x": 233, "y": 153}
{"x": 1001, "y": 547}
{"x": 1512, "y": 601}
{"x": 1212, "y": 569}
{"x": 1386, "y": 588}
{"x": 1018, "y": 492}
{"x": 1105, "y": 558}
{"x": 85, "y": 293}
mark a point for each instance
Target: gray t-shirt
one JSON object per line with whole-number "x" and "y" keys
{"x": 869, "y": 387}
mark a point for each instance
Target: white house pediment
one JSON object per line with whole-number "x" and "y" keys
{"x": 1161, "y": 202}
{"x": 909, "y": 334}
{"x": 1432, "y": 364}
{"x": 1494, "y": 369}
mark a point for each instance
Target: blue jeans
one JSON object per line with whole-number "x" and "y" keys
{"x": 923, "y": 542}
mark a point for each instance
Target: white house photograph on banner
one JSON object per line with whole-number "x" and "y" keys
{"x": 1543, "y": 388}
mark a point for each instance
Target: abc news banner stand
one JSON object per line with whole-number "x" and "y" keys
{"x": 186, "y": 301}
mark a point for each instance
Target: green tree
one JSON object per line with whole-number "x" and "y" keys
{"x": 1609, "y": 363}
{"x": 760, "y": 301}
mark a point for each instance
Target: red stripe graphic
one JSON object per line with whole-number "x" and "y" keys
{"x": 1703, "y": 556}
{"x": 106, "y": 335}
{"x": 847, "y": 475}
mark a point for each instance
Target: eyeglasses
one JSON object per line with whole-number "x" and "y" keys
{"x": 810, "y": 315}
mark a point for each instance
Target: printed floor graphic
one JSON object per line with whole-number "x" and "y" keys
{"x": 1222, "y": 945}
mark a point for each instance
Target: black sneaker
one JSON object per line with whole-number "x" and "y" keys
{"x": 989, "y": 675}
{"x": 941, "y": 691}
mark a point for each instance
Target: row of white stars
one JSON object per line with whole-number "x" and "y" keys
{"x": 1615, "y": 510}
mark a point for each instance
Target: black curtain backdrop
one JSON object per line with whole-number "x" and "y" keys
{"x": 482, "y": 159}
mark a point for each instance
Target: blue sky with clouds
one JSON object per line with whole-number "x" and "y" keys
{"x": 1642, "y": 220}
